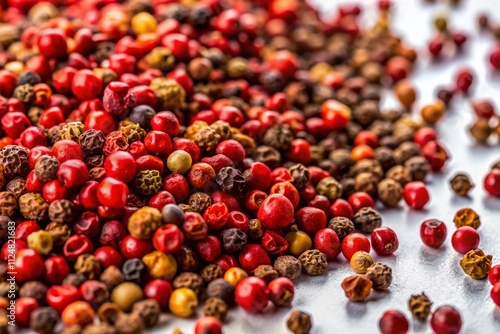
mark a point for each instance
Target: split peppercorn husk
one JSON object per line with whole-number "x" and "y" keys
{"x": 187, "y": 116}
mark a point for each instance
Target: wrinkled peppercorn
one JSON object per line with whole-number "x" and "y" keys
{"x": 467, "y": 217}
{"x": 72, "y": 131}
{"x": 400, "y": 174}
{"x": 62, "y": 211}
{"x": 46, "y": 168}
{"x": 420, "y": 306}
{"x": 288, "y": 266}
{"x": 255, "y": 229}
{"x": 418, "y": 167}
{"x": 148, "y": 310}
{"x": 330, "y": 188}
{"x": 461, "y": 184}
{"x": 58, "y": 232}
{"x": 342, "y": 226}
{"x": 74, "y": 280}
{"x": 143, "y": 222}
{"x": 230, "y": 180}
{"x": 233, "y": 240}
{"x": 211, "y": 272}
{"x": 148, "y": 182}
{"x": 129, "y": 323}
{"x": 215, "y": 307}
{"x": 43, "y": 320}
{"x": 112, "y": 276}
{"x": 278, "y": 137}
{"x": 108, "y": 312}
{"x": 8, "y": 204}
{"x": 389, "y": 192}
{"x": 267, "y": 155}
{"x": 199, "y": 202}
{"x": 300, "y": 174}
{"x": 34, "y": 289}
{"x": 360, "y": 262}
{"x": 367, "y": 219}
{"x": 14, "y": 160}
{"x": 88, "y": 265}
{"x": 313, "y": 262}
{"x": 92, "y": 141}
{"x": 299, "y": 322}
{"x": 17, "y": 186}
{"x": 380, "y": 275}
{"x": 33, "y": 206}
{"x": 189, "y": 280}
{"x": 206, "y": 139}
{"x": 134, "y": 270}
{"x": 266, "y": 272}
{"x": 476, "y": 264}
{"x": 169, "y": 93}
{"x": 222, "y": 289}
{"x": 357, "y": 287}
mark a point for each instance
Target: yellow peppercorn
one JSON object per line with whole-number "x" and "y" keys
{"x": 15, "y": 67}
{"x": 143, "y": 23}
{"x": 432, "y": 113}
{"x": 234, "y": 275}
{"x": 126, "y": 294}
{"x": 179, "y": 161}
{"x": 360, "y": 262}
{"x": 183, "y": 302}
{"x": 40, "y": 242}
{"x": 160, "y": 265}
{"x": 298, "y": 242}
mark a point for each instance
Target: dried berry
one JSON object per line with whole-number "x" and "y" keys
{"x": 222, "y": 289}
{"x": 380, "y": 275}
{"x": 300, "y": 174}
{"x": 189, "y": 280}
{"x": 46, "y": 168}
{"x": 357, "y": 287}
{"x": 88, "y": 265}
{"x": 233, "y": 240}
{"x": 265, "y": 272}
{"x": 367, "y": 219}
{"x": 17, "y": 186}
{"x": 461, "y": 184}
{"x": 389, "y": 192}
{"x": 143, "y": 222}
{"x": 72, "y": 131}
{"x": 211, "y": 272}
{"x": 92, "y": 141}
{"x": 148, "y": 182}
{"x": 313, "y": 262}
{"x": 342, "y": 226}
{"x": 14, "y": 160}
{"x": 420, "y": 306}
{"x": 467, "y": 217}
{"x": 112, "y": 276}
{"x": 206, "y": 138}
{"x": 169, "y": 93}
{"x": 288, "y": 266}
{"x": 215, "y": 307}
{"x": 278, "y": 137}
{"x": 62, "y": 211}
{"x": 418, "y": 167}
{"x": 148, "y": 310}
{"x": 231, "y": 180}
{"x": 199, "y": 202}
{"x": 476, "y": 264}
{"x": 129, "y": 323}
{"x": 360, "y": 262}
{"x": 33, "y": 206}
{"x": 299, "y": 322}
{"x": 400, "y": 174}
{"x": 330, "y": 188}
{"x": 8, "y": 204}
{"x": 43, "y": 320}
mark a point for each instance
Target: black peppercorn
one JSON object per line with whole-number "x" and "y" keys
{"x": 233, "y": 240}
{"x": 92, "y": 142}
{"x": 14, "y": 160}
{"x": 134, "y": 270}
{"x": 30, "y": 78}
{"x": 189, "y": 280}
{"x": 300, "y": 174}
{"x": 342, "y": 226}
{"x": 367, "y": 219}
{"x": 222, "y": 289}
{"x": 231, "y": 180}
{"x": 43, "y": 320}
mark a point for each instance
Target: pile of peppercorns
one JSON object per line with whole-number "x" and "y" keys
{"x": 158, "y": 155}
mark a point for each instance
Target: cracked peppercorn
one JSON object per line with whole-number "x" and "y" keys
{"x": 461, "y": 184}
{"x": 420, "y": 306}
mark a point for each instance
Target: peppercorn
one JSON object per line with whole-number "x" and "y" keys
{"x": 211, "y": 272}
{"x": 40, "y": 242}
{"x": 481, "y": 130}
{"x": 129, "y": 323}
{"x": 420, "y": 306}
{"x": 400, "y": 174}
{"x": 143, "y": 222}
{"x": 14, "y": 160}
{"x": 300, "y": 175}
{"x": 112, "y": 276}
{"x": 330, "y": 188}
{"x": 134, "y": 270}
{"x": 72, "y": 131}
{"x": 366, "y": 182}
{"x": 92, "y": 141}
{"x": 148, "y": 182}
{"x": 33, "y": 206}
{"x": 74, "y": 280}
{"x": 148, "y": 310}
{"x": 17, "y": 186}
{"x": 183, "y": 302}
{"x": 160, "y": 58}
{"x": 108, "y": 312}
{"x": 8, "y": 204}
{"x": 126, "y": 294}
{"x": 99, "y": 329}
{"x": 299, "y": 322}
{"x": 357, "y": 287}
{"x": 255, "y": 229}
{"x": 390, "y": 192}
{"x": 54, "y": 134}
{"x": 223, "y": 129}
{"x": 160, "y": 265}
{"x": 380, "y": 275}
{"x": 133, "y": 131}
{"x": 34, "y": 289}
{"x": 230, "y": 180}
{"x": 169, "y": 93}
{"x": 313, "y": 262}
{"x": 189, "y": 280}
{"x": 222, "y": 289}
{"x": 24, "y": 93}
{"x": 267, "y": 155}
{"x": 467, "y": 217}
{"x": 476, "y": 264}
{"x": 360, "y": 262}
{"x": 367, "y": 219}
{"x": 62, "y": 211}
{"x": 233, "y": 240}
{"x": 199, "y": 202}
{"x": 88, "y": 265}
{"x": 58, "y": 232}
{"x": 215, "y": 307}
{"x": 73, "y": 329}
{"x": 266, "y": 273}
{"x": 342, "y": 226}
{"x": 369, "y": 166}
{"x": 46, "y": 168}
{"x": 432, "y": 113}
{"x": 278, "y": 137}
{"x": 461, "y": 184}
{"x": 43, "y": 320}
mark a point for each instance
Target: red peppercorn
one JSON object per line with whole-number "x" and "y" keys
{"x": 86, "y": 85}
{"x": 237, "y": 219}
{"x": 58, "y": 297}
{"x": 416, "y": 195}
{"x": 284, "y": 62}
{"x": 393, "y": 322}
{"x": 53, "y": 190}
{"x": 132, "y": 248}
{"x": 32, "y": 137}
{"x": 56, "y": 270}
{"x": 274, "y": 243}
{"x": 299, "y": 151}
{"x": 72, "y": 173}
{"x": 435, "y": 154}
{"x": 494, "y": 274}
{"x": 494, "y": 57}
{"x": 328, "y": 242}
{"x": 177, "y": 185}
{"x": 231, "y": 149}
{"x": 52, "y": 43}
{"x": 26, "y": 228}
{"x": 8, "y": 82}
{"x": 14, "y": 123}
{"x": 317, "y": 201}
{"x": 24, "y": 306}
{"x": 335, "y": 114}
{"x": 207, "y": 325}
{"x": 446, "y": 320}
{"x": 342, "y": 208}
{"x": 37, "y": 152}
{"x": 62, "y": 79}
{"x": 252, "y": 294}
{"x": 281, "y": 291}
{"x": 353, "y": 243}
{"x": 459, "y": 39}
{"x": 360, "y": 200}
{"x": 88, "y": 195}
{"x": 252, "y": 256}
{"x": 310, "y": 220}
{"x": 384, "y": 241}
{"x": 424, "y": 135}
{"x": 165, "y": 121}
{"x": 436, "y": 45}
{"x": 29, "y": 265}
{"x": 433, "y": 233}
{"x": 191, "y": 148}
{"x": 158, "y": 143}
{"x": 258, "y": 176}
{"x": 108, "y": 256}
{"x": 492, "y": 182}
{"x": 464, "y": 80}
{"x": 112, "y": 193}
{"x": 168, "y": 238}
{"x": 288, "y": 190}
{"x": 158, "y": 290}
{"x": 231, "y": 115}
{"x": 100, "y": 120}
{"x": 33, "y": 184}
{"x": 495, "y": 294}
{"x": 398, "y": 68}
{"x": 67, "y": 149}
{"x": 465, "y": 239}
{"x": 276, "y": 212}
{"x": 6, "y": 250}
{"x": 120, "y": 165}
{"x": 216, "y": 216}
{"x": 209, "y": 248}
{"x": 77, "y": 245}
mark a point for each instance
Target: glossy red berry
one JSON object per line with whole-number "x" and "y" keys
{"x": 112, "y": 192}
{"x": 86, "y": 85}
{"x": 159, "y": 290}
{"x": 416, "y": 195}
{"x": 310, "y": 220}
{"x": 393, "y": 322}
{"x": 360, "y": 200}
{"x": 59, "y": 297}
{"x": 207, "y": 325}
{"x": 276, "y": 212}
{"x": 108, "y": 256}
{"x": 281, "y": 291}
{"x": 168, "y": 238}
{"x": 495, "y": 57}
{"x": 327, "y": 242}
{"x": 342, "y": 208}
{"x": 492, "y": 182}
{"x": 24, "y": 306}
{"x": 56, "y": 270}
{"x": 252, "y": 256}
{"x": 29, "y": 265}
{"x": 252, "y": 294}
{"x": 72, "y": 173}
{"x": 384, "y": 241}
{"x": 52, "y": 43}
{"x": 446, "y": 320}
{"x": 464, "y": 80}
{"x": 335, "y": 114}
{"x": 494, "y": 274}
{"x": 433, "y": 233}
{"x": 353, "y": 243}
{"x": 120, "y": 165}
{"x": 465, "y": 239}
{"x": 495, "y": 294}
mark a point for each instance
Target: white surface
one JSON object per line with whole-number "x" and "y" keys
{"x": 415, "y": 267}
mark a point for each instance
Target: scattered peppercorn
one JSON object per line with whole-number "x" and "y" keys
{"x": 476, "y": 264}
{"x": 420, "y": 306}
{"x": 357, "y": 288}
{"x": 461, "y": 184}
{"x": 467, "y": 217}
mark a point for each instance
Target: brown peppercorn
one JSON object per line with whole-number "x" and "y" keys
{"x": 46, "y": 168}
{"x": 211, "y": 272}
{"x": 255, "y": 229}
{"x": 3, "y": 180}
{"x": 366, "y": 113}
{"x": 360, "y": 262}
{"x": 200, "y": 68}
{"x": 367, "y": 219}
{"x": 418, "y": 167}
{"x": 169, "y": 93}
{"x": 108, "y": 312}
{"x": 88, "y": 265}
{"x": 357, "y": 287}
{"x": 92, "y": 141}
{"x": 389, "y": 192}
{"x": 247, "y": 142}
{"x": 432, "y": 113}
{"x": 97, "y": 174}
{"x": 267, "y": 155}
{"x": 99, "y": 329}
{"x": 112, "y": 276}
{"x": 73, "y": 329}
{"x": 330, "y": 188}
{"x": 14, "y": 160}
{"x": 24, "y": 93}
{"x": 148, "y": 310}
{"x": 189, "y": 280}
{"x": 385, "y": 156}
{"x": 366, "y": 182}
{"x": 33, "y": 206}
{"x": 43, "y": 320}
{"x": 129, "y": 323}
{"x": 8, "y": 204}
{"x": 278, "y": 137}
{"x": 34, "y": 289}
{"x": 199, "y": 202}
{"x": 207, "y": 139}
{"x": 342, "y": 159}
{"x": 405, "y": 92}
{"x": 58, "y": 232}
{"x": 187, "y": 259}
{"x": 233, "y": 240}
{"x": 72, "y": 131}
{"x": 223, "y": 129}
{"x": 461, "y": 184}
{"x": 405, "y": 151}
{"x": 230, "y": 180}
{"x": 313, "y": 262}
{"x": 481, "y": 130}
{"x": 74, "y": 279}
{"x": 420, "y": 306}
{"x": 380, "y": 275}
{"x": 222, "y": 289}
{"x": 476, "y": 264}
{"x": 299, "y": 322}
{"x": 53, "y": 134}
{"x": 237, "y": 67}
{"x": 17, "y": 186}
{"x": 367, "y": 166}
{"x": 93, "y": 161}
{"x": 160, "y": 58}
{"x": 400, "y": 174}
{"x": 62, "y": 211}
{"x": 266, "y": 272}
{"x": 342, "y": 226}
{"x": 467, "y": 217}
{"x": 194, "y": 128}
{"x": 288, "y": 266}
{"x": 143, "y": 222}
{"x": 300, "y": 174}
{"x": 215, "y": 307}
{"x": 148, "y": 182}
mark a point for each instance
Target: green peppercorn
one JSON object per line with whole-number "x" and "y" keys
{"x": 179, "y": 161}
{"x": 148, "y": 182}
